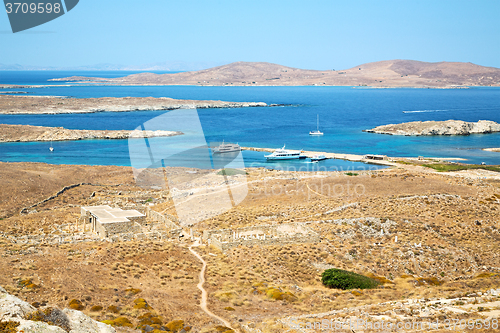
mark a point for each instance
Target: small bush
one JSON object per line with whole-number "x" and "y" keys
{"x": 141, "y": 303}
{"x": 96, "y": 308}
{"x": 132, "y": 291}
{"x": 351, "y": 174}
{"x": 175, "y": 325}
{"x": 341, "y": 279}
{"x": 113, "y": 309}
{"x": 120, "y": 321}
{"x": 51, "y": 316}
{"x": 148, "y": 319}
{"x": 228, "y": 308}
{"x": 8, "y": 326}
{"x": 76, "y": 305}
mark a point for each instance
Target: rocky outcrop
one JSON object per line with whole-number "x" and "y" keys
{"x": 56, "y": 105}
{"x": 15, "y": 309}
{"x": 448, "y": 127}
{"x": 27, "y": 133}
{"x": 496, "y": 150}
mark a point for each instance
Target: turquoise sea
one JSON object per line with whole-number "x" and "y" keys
{"x": 343, "y": 111}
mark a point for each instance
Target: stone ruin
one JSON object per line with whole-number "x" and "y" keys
{"x": 117, "y": 224}
{"x": 278, "y": 234}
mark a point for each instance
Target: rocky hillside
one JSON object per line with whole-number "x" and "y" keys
{"x": 14, "y": 313}
{"x": 448, "y": 127}
{"x": 390, "y": 73}
{"x": 27, "y": 133}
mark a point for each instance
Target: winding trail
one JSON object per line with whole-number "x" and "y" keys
{"x": 204, "y": 294}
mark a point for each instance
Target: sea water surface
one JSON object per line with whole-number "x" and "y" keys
{"x": 343, "y": 112}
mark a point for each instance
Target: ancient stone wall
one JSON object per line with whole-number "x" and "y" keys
{"x": 265, "y": 235}
{"x": 168, "y": 220}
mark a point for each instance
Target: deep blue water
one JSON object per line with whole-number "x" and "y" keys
{"x": 344, "y": 112}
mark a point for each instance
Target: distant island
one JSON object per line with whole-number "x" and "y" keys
{"x": 496, "y": 150}
{"x": 448, "y": 127}
{"x": 28, "y": 133}
{"x": 389, "y": 73}
{"x": 55, "y": 105}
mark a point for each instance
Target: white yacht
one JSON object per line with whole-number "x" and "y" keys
{"x": 226, "y": 148}
{"x": 317, "y": 131}
{"x": 317, "y": 158}
{"x": 283, "y": 154}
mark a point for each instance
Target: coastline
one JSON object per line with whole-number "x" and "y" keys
{"x": 59, "y": 105}
{"x": 28, "y": 133}
{"x": 388, "y": 161}
{"x": 496, "y": 150}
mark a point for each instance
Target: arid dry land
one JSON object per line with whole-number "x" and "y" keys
{"x": 448, "y": 127}
{"x": 389, "y": 73}
{"x": 27, "y": 133}
{"x": 430, "y": 238}
{"x": 54, "y": 105}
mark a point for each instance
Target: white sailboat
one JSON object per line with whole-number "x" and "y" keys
{"x": 51, "y": 148}
{"x": 317, "y": 131}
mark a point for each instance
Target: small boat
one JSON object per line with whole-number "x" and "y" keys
{"x": 283, "y": 154}
{"x": 317, "y": 131}
{"x": 51, "y": 148}
{"x": 317, "y": 158}
{"x": 226, "y": 148}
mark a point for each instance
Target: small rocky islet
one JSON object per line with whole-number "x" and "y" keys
{"x": 448, "y": 127}
{"x": 28, "y": 133}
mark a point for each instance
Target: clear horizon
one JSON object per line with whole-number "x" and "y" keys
{"x": 319, "y": 35}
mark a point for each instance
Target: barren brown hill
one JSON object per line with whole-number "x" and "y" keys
{"x": 390, "y": 73}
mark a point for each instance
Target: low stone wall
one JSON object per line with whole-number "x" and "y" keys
{"x": 111, "y": 229}
{"x": 52, "y": 239}
{"x": 264, "y": 235}
{"x": 168, "y": 220}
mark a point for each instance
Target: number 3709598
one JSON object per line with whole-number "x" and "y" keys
{"x": 25, "y": 8}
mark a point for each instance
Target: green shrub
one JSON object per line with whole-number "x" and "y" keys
{"x": 351, "y": 174}
{"x": 341, "y": 279}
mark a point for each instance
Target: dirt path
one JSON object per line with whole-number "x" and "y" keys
{"x": 204, "y": 294}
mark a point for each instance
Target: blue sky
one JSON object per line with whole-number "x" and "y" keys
{"x": 306, "y": 34}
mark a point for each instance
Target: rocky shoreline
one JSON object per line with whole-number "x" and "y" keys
{"x": 57, "y": 105}
{"x": 496, "y": 150}
{"x": 448, "y": 127}
{"x": 28, "y": 133}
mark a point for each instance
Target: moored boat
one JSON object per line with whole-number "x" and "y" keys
{"x": 317, "y": 131}
{"x": 284, "y": 154}
{"x": 319, "y": 157}
{"x": 226, "y": 148}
